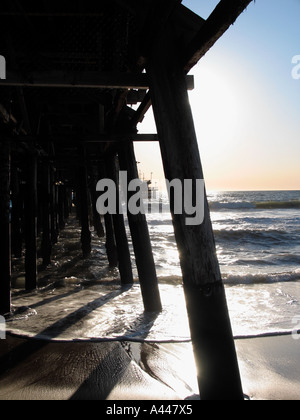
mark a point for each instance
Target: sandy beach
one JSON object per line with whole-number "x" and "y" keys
{"x": 44, "y": 362}
{"x": 270, "y": 367}
{"x": 41, "y": 370}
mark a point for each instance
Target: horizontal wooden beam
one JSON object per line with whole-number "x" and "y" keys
{"x": 134, "y": 137}
{"x": 101, "y": 138}
{"x": 92, "y": 80}
{"x": 224, "y": 15}
{"x": 144, "y": 137}
{"x": 50, "y": 14}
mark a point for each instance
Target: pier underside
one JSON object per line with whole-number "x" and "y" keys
{"x": 73, "y": 72}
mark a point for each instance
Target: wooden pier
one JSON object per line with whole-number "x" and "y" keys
{"x": 73, "y": 69}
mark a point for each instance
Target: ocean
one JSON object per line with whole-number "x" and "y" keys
{"x": 258, "y": 245}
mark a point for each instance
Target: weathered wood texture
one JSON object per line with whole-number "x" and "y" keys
{"x": 140, "y": 237}
{"x": 206, "y": 303}
{"x": 125, "y": 266}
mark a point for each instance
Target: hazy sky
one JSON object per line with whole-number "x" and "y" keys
{"x": 246, "y": 103}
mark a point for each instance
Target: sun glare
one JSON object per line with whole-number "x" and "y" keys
{"x": 216, "y": 110}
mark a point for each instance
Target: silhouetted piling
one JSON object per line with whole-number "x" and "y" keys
{"x": 124, "y": 260}
{"x": 5, "y": 254}
{"x": 84, "y": 211}
{"x": 140, "y": 237}
{"x": 16, "y": 214}
{"x": 53, "y": 213}
{"x": 46, "y": 246}
{"x": 110, "y": 244}
{"x": 96, "y": 216}
{"x": 30, "y": 211}
{"x": 210, "y": 326}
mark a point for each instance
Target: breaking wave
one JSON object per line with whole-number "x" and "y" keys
{"x": 264, "y": 205}
{"x": 248, "y": 279}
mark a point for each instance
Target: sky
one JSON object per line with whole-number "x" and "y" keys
{"x": 246, "y": 104}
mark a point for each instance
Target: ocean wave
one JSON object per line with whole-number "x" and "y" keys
{"x": 294, "y": 204}
{"x": 248, "y": 279}
{"x": 269, "y": 260}
{"x": 268, "y": 236}
{"x": 243, "y": 278}
{"x": 258, "y": 205}
{"x": 288, "y": 259}
{"x": 231, "y": 206}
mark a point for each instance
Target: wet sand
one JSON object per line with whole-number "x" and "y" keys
{"x": 40, "y": 370}
{"x": 270, "y": 367}
{"x": 33, "y": 369}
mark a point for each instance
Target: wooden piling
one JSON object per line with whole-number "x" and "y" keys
{"x": 46, "y": 246}
{"x": 84, "y": 212}
{"x": 61, "y": 205}
{"x": 215, "y": 355}
{"x": 5, "y": 255}
{"x": 140, "y": 237}
{"x": 66, "y": 196}
{"x": 56, "y": 204}
{"x": 110, "y": 244}
{"x": 124, "y": 260}
{"x": 16, "y": 214}
{"x": 30, "y": 210}
{"x": 53, "y": 214}
{"x": 96, "y": 216}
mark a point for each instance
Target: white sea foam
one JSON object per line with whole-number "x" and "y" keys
{"x": 259, "y": 254}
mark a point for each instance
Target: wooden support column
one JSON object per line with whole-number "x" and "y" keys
{"x": 215, "y": 354}
{"x": 125, "y": 266}
{"x": 67, "y": 202}
{"x": 110, "y": 241}
{"x": 5, "y": 254}
{"x": 53, "y": 214}
{"x": 140, "y": 237}
{"x": 77, "y": 199}
{"x": 56, "y": 205}
{"x": 84, "y": 213}
{"x": 61, "y": 205}
{"x": 111, "y": 248}
{"x": 16, "y": 214}
{"x": 96, "y": 216}
{"x": 30, "y": 209}
{"x": 46, "y": 246}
